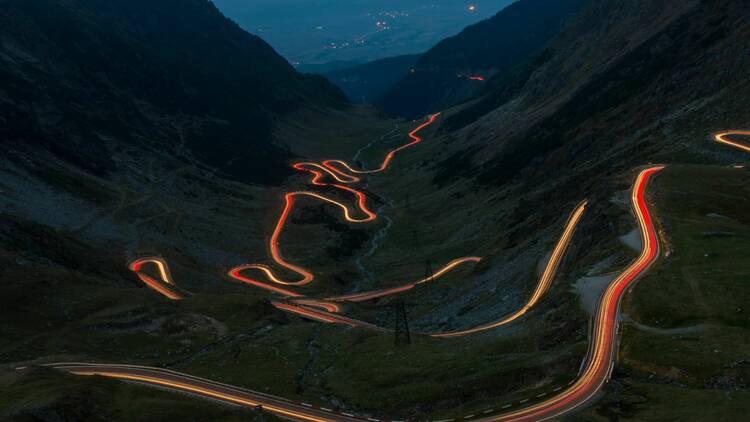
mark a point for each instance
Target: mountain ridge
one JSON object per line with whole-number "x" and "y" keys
{"x": 204, "y": 73}
{"x": 489, "y": 48}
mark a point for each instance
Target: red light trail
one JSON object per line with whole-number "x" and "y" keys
{"x": 175, "y": 381}
{"x": 362, "y": 297}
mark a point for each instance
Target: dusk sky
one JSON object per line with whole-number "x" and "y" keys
{"x": 320, "y": 31}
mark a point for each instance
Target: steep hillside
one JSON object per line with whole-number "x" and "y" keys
{"x": 84, "y": 76}
{"x": 577, "y": 122}
{"x": 587, "y": 102}
{"x": 492, "y": 47}
{"x": 624, "y": 84}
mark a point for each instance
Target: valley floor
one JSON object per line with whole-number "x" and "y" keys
{"x": 87, "y": 306}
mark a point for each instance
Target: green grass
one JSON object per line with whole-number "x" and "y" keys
{"x": 641, "y": 401}
{"x": 50, "y": 395}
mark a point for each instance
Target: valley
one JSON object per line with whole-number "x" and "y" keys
{"x": 318, "y": 310}
{"x": 555, "y": 233}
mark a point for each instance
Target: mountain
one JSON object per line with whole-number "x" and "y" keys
{"x": 322, "y": 31}
{"x": 489, "y": 48}
{"x": 84, "y": 77}
{"x": 320, "y": 69}
{"x": 95, "y": 177}
{"x": 620, "y": 85}
{"x": 366, "y": 83}
{"x": 132, "y": 128}
{"x": 624, "y": 84}
{"x": 583, "y": 95}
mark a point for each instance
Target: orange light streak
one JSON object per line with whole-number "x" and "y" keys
{"x": 365, "y": 296}
{"x": 544, "y": 283}
{"x": 206, "y": 392}
{"x": 166, "y": 277}
{"x": 324, "y": 316}
{"x": 722, "y": 138}
{"x": 307, "y": 276}
{"x": 361, "y": 297}
{"x": 320, "y": 304}
{"x": 319, "y": 172}
{"x": 601, "y": 358}
{"x": 309, "y": 313}
{"x": 331, "y": 164}
{"x": 236, "y": 273}
{"x": 339, "y": 177}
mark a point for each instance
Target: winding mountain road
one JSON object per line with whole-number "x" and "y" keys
{"x": 603, "y": 352}
{"x": 545, "y": 282}
{"x": 596, "y": 371}
{"x": 175, "y": 381}
{"x": 595, "y": 374}
{"x": 727, "y": 138}
{"x": 167, "y": 286}
{"x": 343, "y": 174}
{"x": 327, "y": 310}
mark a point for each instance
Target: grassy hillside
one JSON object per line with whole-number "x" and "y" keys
{"x": 685, "y": 340}
{"x": 45, "y": 395}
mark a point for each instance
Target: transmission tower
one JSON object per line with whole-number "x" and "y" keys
{"x": 401, "y": 324}
{"x": 260, "y": 416}
{"x": 429, "y": 276}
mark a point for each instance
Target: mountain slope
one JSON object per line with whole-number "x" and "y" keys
{"x": 81, "y": 73}
{"x": 587, "y": 96}
{"x": 366, "y": 83}
{"x": 489, "y": 48}
{"x": 624, "y": 84}
{"x": 571, "y": 123}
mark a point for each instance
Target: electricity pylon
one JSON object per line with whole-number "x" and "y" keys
{"x": 429, "y": 276}
{"x": 401, "y": 324}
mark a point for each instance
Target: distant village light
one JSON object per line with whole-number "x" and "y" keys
{"x": 472, "y": 8}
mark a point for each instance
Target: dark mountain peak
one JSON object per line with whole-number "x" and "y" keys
{"x": 129, "y": 70}
{"x": 453, "y": 70}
